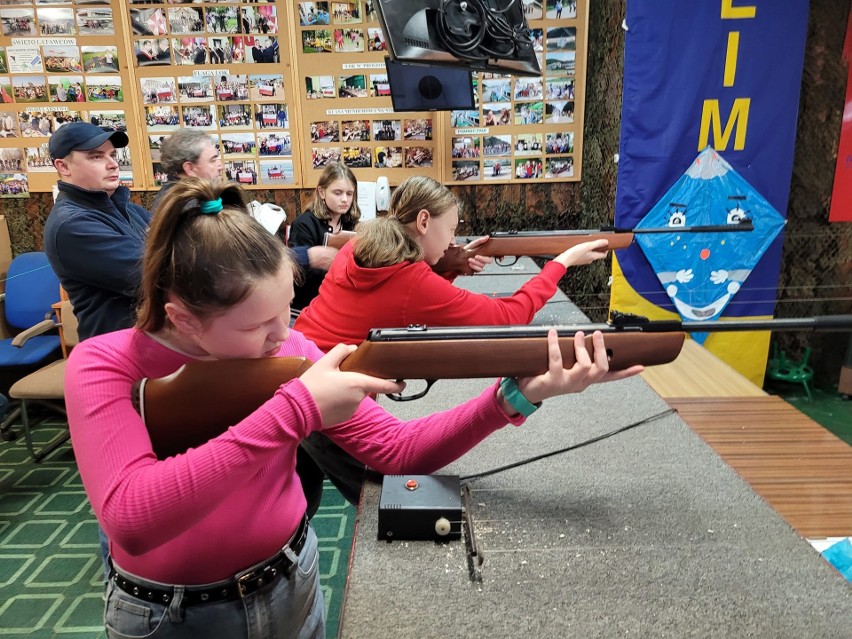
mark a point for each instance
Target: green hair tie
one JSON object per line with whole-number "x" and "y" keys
{"x": 211, "y": 207}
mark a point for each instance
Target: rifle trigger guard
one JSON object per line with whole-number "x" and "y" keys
{"x": 407, "y": 398}
{"x": 503, "y": 261}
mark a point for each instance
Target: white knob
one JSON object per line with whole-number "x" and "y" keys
{"x": 442, "y": 526}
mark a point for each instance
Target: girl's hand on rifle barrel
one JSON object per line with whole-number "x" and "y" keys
{"x": 586, "y": 370}
{"x": 338, "y": 394}
{"x": 583, "y": 253}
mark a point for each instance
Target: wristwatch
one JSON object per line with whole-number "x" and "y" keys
{"x": 515, "y": 398}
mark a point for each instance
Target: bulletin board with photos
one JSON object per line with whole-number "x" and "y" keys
{"x": 223, "y": 68}
{"x": 60, "y": 62}
{"x": 284, "y": 88}
{"x": 527, "y": 128}
{"x": 344, "y": 97}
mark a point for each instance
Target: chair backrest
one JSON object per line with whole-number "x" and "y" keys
{"x": 31, "y": 289}
{"x": 68, "y": 325}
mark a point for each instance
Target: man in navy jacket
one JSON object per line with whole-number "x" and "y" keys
{"x": 94, "y": 236}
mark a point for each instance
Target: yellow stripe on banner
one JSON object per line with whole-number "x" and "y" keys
{"x": 746, "y": 352}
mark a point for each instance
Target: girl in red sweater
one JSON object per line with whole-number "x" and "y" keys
{"x": 384, "y": 278}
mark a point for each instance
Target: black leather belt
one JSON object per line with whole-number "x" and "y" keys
{"x": 238, "y": 587}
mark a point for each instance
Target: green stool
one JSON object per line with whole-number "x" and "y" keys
{"x": 780, "y": 368}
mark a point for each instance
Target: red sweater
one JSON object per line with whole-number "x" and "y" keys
{"x": 354, "y": 299}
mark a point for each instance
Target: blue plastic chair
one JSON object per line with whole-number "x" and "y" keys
{"x": 31, "y": 290}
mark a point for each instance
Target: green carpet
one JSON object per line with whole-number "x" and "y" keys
{"x": 50, "y": 572}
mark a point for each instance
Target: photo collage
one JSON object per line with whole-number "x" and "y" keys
{"x": 59, "y": 62}
{"x": 345, "y": 96}
{"x": 192, "y": 64}
{"x": 278, "y": 115}
{"x": 523, "y": 128}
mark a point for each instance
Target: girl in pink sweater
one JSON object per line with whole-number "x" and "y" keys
{"x": 213, "y": 542}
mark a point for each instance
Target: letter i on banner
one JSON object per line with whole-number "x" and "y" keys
{"x": 841, "y": 195}
{"x": 723, "y": 74}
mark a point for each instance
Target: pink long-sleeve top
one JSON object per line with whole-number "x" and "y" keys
{"x": 201, "y": 516}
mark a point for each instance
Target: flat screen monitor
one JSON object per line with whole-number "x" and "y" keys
{"x": 416, "y": 87}
{"x": 480, "y": 35}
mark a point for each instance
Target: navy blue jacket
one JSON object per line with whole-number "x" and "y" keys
{"x": 95, "y": 244}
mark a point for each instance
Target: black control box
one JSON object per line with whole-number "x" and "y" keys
{"x": 420, "y": 507}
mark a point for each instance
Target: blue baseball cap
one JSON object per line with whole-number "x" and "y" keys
{"x": 82, "y": 136}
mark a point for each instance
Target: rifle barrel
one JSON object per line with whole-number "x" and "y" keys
{"x": 711, "y": 228}
{"x": 825, "y": 323}
{"x": 419, "y": 332}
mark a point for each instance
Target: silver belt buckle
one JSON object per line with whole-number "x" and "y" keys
{"x": 242, "y": 580}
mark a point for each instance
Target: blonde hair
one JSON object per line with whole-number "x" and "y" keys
{"x": 209, "y": 261}
{"x": 386, "y": 240}
{"x": 332, "y": 172}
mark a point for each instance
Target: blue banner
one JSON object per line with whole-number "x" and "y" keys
{"x": 707, "y": 73}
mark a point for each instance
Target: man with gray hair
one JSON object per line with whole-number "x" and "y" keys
{"x": 192, "y": 153}
{"x": 188, "y": 153}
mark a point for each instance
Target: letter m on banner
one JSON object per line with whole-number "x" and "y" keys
{"x": 711, "y": 73}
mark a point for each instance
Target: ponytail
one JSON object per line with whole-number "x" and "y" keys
{"x": 206, "y": 250}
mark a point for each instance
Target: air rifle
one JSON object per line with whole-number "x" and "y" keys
{"x": 550, "y": 243}
{"x": 201, "y": 399}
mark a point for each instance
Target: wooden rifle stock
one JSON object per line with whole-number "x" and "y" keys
{"x": 523, "y": 243}
{"x": 200, "y": 400}
{"x": 338, "y": 240}
{"x": 549, "y": 243}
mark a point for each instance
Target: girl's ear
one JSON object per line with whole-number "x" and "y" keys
{"x": 182, "y": 318}
{"x": 421, "y": 223}
{"x": 321, "y": 193}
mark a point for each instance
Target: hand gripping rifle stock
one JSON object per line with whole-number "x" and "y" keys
{"x": 201, "y": 400}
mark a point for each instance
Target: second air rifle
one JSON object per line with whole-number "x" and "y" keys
{"x": 551, "y": 243}
{"x": 201, "y": 400}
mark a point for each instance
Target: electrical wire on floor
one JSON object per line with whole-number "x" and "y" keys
{"x": 593, "y": 440}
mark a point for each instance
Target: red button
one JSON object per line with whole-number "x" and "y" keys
{"x": 411, "y": 484}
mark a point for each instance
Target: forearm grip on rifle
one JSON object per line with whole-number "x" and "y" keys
{"x": 519, "y": 357}
{"x": 547, "y": 245}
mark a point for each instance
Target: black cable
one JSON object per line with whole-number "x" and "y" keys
{"x": 492, "y": 24}
{"x": 530, "y": 460}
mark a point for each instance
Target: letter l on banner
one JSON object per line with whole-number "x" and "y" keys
{"x": 719, "y": 73}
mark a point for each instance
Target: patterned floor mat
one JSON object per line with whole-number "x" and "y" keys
{"x": 50, "y": 574}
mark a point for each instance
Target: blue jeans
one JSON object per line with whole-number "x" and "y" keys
{"x": 289, "y": 608}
